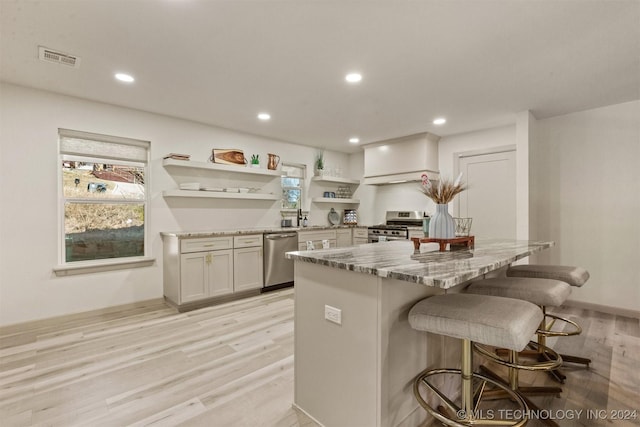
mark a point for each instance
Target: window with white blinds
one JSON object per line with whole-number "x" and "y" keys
{"x": 104, "y": 196}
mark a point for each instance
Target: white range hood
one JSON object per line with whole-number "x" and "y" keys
{"x": 402, "y": 159}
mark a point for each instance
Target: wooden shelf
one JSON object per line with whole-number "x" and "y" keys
{"x": 334, "y": 200}
{"x": 219, "y": 195}
{"x": 335, "y": 180}
{"x": 188, "y": 164}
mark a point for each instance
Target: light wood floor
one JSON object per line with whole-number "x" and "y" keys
{"x": 232, "y": 365}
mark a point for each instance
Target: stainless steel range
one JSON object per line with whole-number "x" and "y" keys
{"x": 396, "y": 226}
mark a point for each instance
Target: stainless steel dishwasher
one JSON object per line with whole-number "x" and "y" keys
{"x": 277, "y": 269}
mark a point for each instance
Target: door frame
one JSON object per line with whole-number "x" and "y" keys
{"x": 457, "y": 156}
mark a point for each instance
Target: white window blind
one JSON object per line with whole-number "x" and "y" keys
{"x": 87, "y": 144}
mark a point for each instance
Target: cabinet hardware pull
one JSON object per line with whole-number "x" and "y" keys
{"x": 208, "y": 246}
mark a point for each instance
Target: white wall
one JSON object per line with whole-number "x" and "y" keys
{"x": 29, "y": 122}
{"x": 585, "y": 184}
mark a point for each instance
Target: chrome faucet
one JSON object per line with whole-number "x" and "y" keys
{"x": 299, "y": 217}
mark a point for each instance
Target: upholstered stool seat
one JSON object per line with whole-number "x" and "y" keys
{"x": 484, "y": 319}
{"x": 574, "y": 276}
{"x": 542, "y": 292}
{"x": 492, "y": 321}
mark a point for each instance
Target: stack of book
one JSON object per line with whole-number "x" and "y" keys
{"x": 177, "y": 156}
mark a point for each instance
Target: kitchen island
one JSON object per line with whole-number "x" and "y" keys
{"x": 355, "y": 353}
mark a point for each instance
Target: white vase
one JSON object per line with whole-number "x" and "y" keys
{"x": 441, "y": 225}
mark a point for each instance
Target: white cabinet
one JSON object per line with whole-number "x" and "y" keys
{"x": 316, "y": 237}
{"x": 247, "y": 262}
{"x": 360, "y": 236}
{"x": 198, "y": 269}
{"x": 343, "y": 237}
{"x": 205, "y": 275}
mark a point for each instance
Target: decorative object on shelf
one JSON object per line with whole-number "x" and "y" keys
{"x": 177, "y": 156}
{"x": 273, "y": 161}
{"x": 463, "y": 226}
{"x": 350, "y": 217}
{"x": 255, "y": 160}
{"x": 228, "y": 156}
{"x": 441, "y": 224}
{"x": 343, "y": 192}
{"x": 318, "y": 166}
{"x": 329, "y": 194}
{"x": 334, "y": 218}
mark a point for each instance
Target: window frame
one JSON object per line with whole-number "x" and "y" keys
{"x": 303, "y": 171}
{"x": 65, "y": 267}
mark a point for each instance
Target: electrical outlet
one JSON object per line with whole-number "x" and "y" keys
{"x": 333, "y": 314}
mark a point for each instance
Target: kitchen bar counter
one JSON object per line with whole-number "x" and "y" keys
{"x": 355, "y": 353}
{"x": 398, "y": 260}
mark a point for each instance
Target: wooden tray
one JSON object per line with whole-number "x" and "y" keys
{"x": 228, "y": 157}
{"x": 466, "y": 241}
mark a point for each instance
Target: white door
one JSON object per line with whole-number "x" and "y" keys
{"x": 491, "y": 197}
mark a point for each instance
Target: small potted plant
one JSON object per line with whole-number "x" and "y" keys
{"x": 319, "y": 163}
{"x": 255, "y": 160}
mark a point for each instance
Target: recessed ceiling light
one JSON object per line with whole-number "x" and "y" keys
{"x": 264, "y": 116}
{"x": 353, "y": 77}
{"x": 354, "y": 140}
{"x": 440, "y": 121}
{"x": 125, "y": 77}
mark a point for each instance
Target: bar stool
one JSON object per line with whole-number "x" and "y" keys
{"x": 542, "y": 292}
{"x": 574, "y": 276}
{"x": 482, "y": 319}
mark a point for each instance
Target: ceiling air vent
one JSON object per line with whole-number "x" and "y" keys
{"x": 50, "y": 55}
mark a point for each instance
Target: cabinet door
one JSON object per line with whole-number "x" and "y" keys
{"x": 359, "y": 241}
{"x": 247, "y": 269}
{"x": 221, "y": 272}
{"x": 343, "y": 238}
{"x": 194, "y": 276}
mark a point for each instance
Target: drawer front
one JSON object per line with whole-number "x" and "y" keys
{"x": 247, "y": 241}
{"x": 343, "y": 232}
{"x": 317, "y": 244}
{"x": 206, "y": 244}
{"x": 316, "y": 235}
{"x": 361, "y": 233}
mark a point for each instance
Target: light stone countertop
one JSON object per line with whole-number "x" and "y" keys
{"x": 398, "y": 260}
{"x": 257, "y": 230}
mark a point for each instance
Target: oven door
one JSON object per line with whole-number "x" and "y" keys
{"x": 376, "y": 238}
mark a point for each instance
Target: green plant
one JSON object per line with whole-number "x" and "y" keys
{"x": 255, "y": 159}
{"x": 320, "y": 160}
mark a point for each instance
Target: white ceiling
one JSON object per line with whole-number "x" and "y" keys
{"x": 476, "y": 62}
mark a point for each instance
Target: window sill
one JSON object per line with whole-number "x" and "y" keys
{"x": 86, "y": 267}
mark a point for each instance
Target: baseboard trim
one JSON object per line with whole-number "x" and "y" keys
{"x": 297, "y": 408}
{"x": 603, "y": 308}
{"x": 48, "y": 321}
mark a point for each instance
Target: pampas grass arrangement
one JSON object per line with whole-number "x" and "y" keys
{"x": 444, "y": 191}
